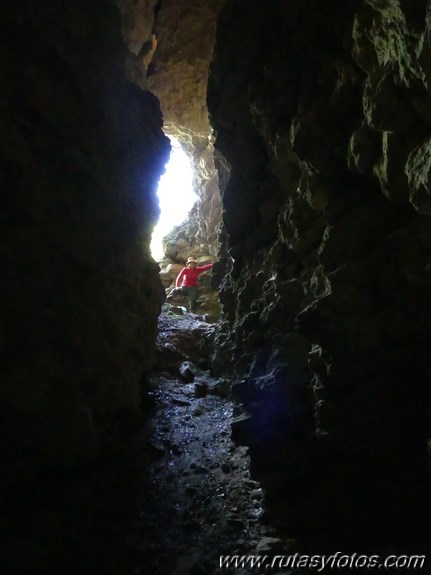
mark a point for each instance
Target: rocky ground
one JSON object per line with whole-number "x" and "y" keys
{"x": 200, "y": 501}
{"x": 189, "y": 482}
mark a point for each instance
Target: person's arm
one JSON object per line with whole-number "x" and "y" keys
{"x": 201, "y": 269}
{"x": 179, "y": 279}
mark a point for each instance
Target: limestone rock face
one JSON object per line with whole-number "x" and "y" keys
{"x": 178, "y": 76}
{"x": 185, "y": 32}
{"x": 322, "y": 123}
{"x": 82, "y": 152}
{"x": 137, "y": 17}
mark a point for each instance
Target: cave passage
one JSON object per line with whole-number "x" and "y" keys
{"x": 200, "y": 499}
{"x": 309, "y": 132}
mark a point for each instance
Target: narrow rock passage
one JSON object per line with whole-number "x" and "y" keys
{"x": 200, "y": 501}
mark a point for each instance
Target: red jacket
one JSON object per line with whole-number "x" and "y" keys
{"x": 188, "y": 277}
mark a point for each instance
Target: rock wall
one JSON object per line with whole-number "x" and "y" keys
{"x": 179, "y": 72}
{"x": 137, "y": 18}
{"x": 82, "y": 151}
{"x": 322, "y": 118}
{"x": 179, "y": 76}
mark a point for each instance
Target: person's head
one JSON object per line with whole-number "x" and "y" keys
{"x": 191, "y": 262}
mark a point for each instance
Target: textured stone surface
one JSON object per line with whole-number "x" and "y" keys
{"x": 185, "y": 33}
{"x": 201, "y": 475}
{"x": 137, "y": 18}
{"x": 322, "y": 120}
{"x": 82, "y": 151}
{"x": 178, "y": 76}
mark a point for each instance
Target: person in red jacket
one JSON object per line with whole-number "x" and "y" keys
{"x": 187, "y": 282}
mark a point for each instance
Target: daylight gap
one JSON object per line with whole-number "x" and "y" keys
{"x": 176, "y": 196}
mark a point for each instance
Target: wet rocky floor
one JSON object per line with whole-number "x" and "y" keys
{"x": 190, "y": 483}
{"x": 199, "y": 499}
{"x": 170, "y": 502}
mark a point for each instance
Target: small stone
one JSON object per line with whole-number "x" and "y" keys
{"x": 180, "y": 402}
{"x": 187, "y": 374}
{"x": 226, "y": 467}
{"x": 269, "y": 545}
{"x": 256, "y": 493}
{"x": 179, "y": 310}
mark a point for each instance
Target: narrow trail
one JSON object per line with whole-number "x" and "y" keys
{"x": 199, "y": 499}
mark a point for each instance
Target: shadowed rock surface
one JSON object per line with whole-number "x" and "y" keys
{"x": 200, "y": 501}
{"x": 325, "y": 273}
{"x": 82, "y": 153}
{"x": 319, "y": 147}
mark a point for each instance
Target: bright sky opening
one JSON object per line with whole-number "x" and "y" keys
{"x": 176, "y": 196}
